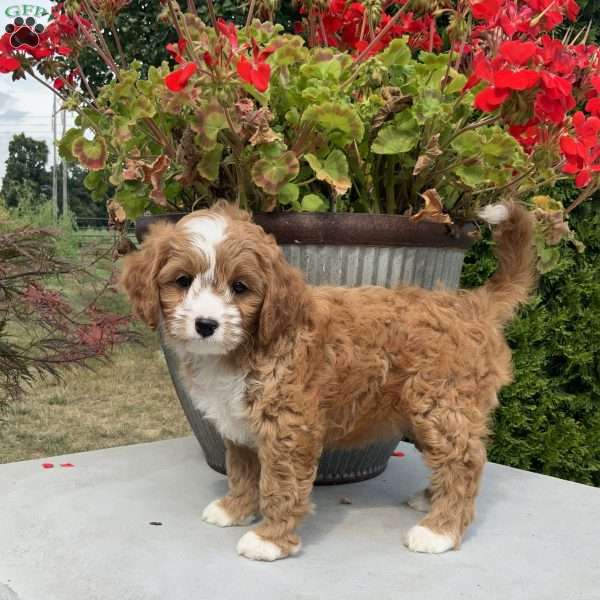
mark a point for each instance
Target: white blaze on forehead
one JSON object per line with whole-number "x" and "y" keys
{"x": 206, "y": 233}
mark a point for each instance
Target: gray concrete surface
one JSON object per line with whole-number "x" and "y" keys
{"x": 84, "y": 534}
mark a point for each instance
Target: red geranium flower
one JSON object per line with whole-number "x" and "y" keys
{"x": 491, "y": 98}
{"x": 524, "y": 79}
{"x": 582, "y": 153}
{"x": 256, "y": 72}
{"x": 517, "y": 53}
{"x": 8, "y": 64}
{"x": 179, "y": 78}
{"x": 485, "y": 10}
{"x": 229, "y": 31}
{"x": 176, "y": 50}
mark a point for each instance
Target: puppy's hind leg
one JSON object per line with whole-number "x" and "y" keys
{"x": 240, "y": 506}
{"x": 453, "y": 447}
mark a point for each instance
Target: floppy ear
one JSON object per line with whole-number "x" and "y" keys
{"x": 284, "y": 299}
{"x": 140, "y": 269}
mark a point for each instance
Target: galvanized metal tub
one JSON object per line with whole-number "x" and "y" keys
{"x": 347, "y": 250}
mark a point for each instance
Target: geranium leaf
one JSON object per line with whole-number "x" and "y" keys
{"x": 210, "y": 120}
{"x": 270, "y": 174}
{"x": 399, "y": 136}
{"x": 208, "y": 166}
{"x": 397, "y": 53}
{"x": 334, "y": 170}
{"x": 313, "y": 203}
{"x": 340, "y": 122}
{"x": 91, "y": 154}
{"x": 65, "y": 146}
{"x": 133, "y": 198}
{"x": 288, "y": 194}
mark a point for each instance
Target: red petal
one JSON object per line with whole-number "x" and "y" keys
{"x": 261, "y": 74}
{"x": 179, "y": 78}
{"x": 47, "y": 466}
{"x": 398, "y": 454}
{"x": 67, "y": 465}
{"x": 516, "y": 80}
{"x": 593, "y": 106}
{"x": 485, "y": 10}
{"x": 8, "y": 64}
{"x": 568, "y": 145}
{"x": 518, "y": 53}
{"x": 244, "y": 69}
{"x": 583, "y": 179}
{"x": 491, "y": 98}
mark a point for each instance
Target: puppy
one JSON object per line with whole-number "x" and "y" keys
{"x": 284, "y": 370}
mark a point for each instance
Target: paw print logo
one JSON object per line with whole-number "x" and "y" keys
{"x": 24, "y": 33}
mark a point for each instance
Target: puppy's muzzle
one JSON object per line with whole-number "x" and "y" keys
{"x": 206, "y": 327}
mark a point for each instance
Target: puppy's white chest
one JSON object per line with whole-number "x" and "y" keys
{"x": 219, "y": 391}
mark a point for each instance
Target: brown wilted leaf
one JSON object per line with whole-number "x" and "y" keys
{"x": 432, "y": 151}
{"x": 422, "y": 163}
{"x": 116, "y": 214}
{"x": 433, "y": 210}
{"x": 395, "y": 101}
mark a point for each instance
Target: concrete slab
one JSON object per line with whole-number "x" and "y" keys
{"x": 84, "y": 534}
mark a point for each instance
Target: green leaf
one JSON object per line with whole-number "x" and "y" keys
{"x": 467, "y": 144}
{"x": 313, "y": 203}
{"x": 290, "y": 49}
{"x": 93, "y": 179}
{"x": 133, "y": 198}
{"x": 92, "y": 154}
{"x": 472, "y": 175}
{"x": 208, "y": 166}
{"x": 141, "y": 108}
{"x": 210, "y": 120}
{"x": 333, "y": 171}
{"x": 271, "y": 174}
{"x": 288, "y": 194}
{"x": 340, "y": 122}
{"x": 66, "y": 143}
{"x": 397, "y": 53}
{"x": 400, "y": 136}
{"x": 457, "y": 83}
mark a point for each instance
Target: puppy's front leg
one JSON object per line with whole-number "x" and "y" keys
{"x": 240, "y": 506}
{"x": 289, "y": 455}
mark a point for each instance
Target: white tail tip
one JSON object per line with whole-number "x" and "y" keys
{"x": 494, "y": 213}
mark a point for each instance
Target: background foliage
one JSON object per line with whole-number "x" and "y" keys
{"x": 27, "y": 183}
{"x": 549, "y": 418}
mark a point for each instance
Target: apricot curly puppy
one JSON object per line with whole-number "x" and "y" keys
{"x": 285, "y": 370}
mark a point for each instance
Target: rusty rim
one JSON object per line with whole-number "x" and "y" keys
{"x": 346, "y": 229}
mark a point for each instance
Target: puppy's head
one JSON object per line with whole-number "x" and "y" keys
{"x": 216, "y": 281}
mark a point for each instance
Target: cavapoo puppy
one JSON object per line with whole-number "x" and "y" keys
{"x": 284, "y": 370}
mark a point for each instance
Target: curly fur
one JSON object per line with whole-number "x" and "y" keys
{"x": 333, "y": 367}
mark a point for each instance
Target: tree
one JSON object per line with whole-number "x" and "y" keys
{"x": 26, "y": 167}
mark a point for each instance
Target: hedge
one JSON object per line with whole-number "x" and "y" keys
{"x": 549, "y": 418}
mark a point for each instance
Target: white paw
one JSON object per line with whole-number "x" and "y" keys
{"x": 254, "y": 547}
{"x": 422, "y": 539}
{"x": 215, "y": 514}
{"x": 420, "y": 501}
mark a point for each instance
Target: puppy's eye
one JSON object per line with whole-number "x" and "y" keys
{"x": 239, "y": 287}
{"x": 184, "y": 281}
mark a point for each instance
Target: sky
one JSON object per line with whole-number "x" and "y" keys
{"x": 25, "y": 106}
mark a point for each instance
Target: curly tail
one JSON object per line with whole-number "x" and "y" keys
{"x": 515, "y": 278}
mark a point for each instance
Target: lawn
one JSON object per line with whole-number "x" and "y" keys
{"x": 127, "y": 399}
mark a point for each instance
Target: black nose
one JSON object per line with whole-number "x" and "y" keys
{"x": 206, "y": 327}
